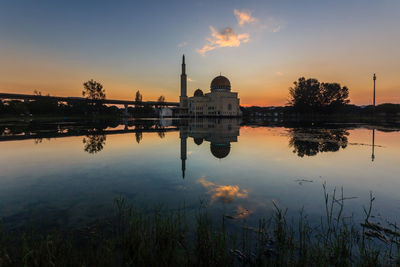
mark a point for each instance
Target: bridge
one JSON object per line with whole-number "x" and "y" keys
{"x": 125, "y": 103}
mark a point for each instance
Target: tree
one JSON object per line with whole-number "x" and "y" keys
{"x": 138, "y": 97}
{"x": 305, "y": 94}
{"x": 161, "y": 99}
{"x": 93, "y": 90}
{"x": 334, "y": 94}
{"x": 311, "y": 95}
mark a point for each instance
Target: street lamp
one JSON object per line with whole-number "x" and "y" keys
{"x": 374, "y": 89}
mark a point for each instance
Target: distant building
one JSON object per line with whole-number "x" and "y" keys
{"x": 220, "y": 102}
{"x": 165, "y": 112}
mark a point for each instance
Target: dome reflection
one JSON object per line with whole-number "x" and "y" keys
{"x": 219, "y": 132}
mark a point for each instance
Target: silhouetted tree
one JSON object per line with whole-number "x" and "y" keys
{"x": 334, "y": 95}
{"x": 94, "y": 143}
{"x": 161, "y": 99}
{"x": 311, "y": 95}
{"x": 93, "y": 90}
{"x": 311, "y": 141}
{"x": 138, "y": 96}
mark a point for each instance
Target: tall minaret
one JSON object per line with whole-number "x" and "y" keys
{"x": 183, "y": 103}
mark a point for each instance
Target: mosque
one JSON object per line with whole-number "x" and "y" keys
{"x": 220, "y": 102}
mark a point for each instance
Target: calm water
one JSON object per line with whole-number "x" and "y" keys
{"x": 69, "y": 174}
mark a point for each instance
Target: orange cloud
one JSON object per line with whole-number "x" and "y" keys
{"x": 226, "y": 38}
{"x": 224, "y": 193}
{"x": 244, "y": 17}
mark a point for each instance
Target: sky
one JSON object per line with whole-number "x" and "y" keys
{"x": 261, "y": 46}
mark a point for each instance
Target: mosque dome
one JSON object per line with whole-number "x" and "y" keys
{"x": 220, "y": 150}
{"x": 220, "y": 84}
{"x": 198, "y": 141}
{"x": 198, "y": 92}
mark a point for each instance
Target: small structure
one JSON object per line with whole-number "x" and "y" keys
{"x": 165, "y": 112}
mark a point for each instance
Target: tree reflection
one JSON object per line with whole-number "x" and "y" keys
{"x": 310, "y": 142}
{"x": 94, "y": 143}
{"x": 139, "y": 136}
{"x": 161, "y": 134}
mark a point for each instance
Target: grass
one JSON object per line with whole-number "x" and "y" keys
{"x": 164, "y": 238}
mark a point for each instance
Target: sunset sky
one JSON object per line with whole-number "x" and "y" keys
{"x": 261, "y": 46}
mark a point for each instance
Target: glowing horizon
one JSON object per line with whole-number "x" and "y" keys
{"x": 262, "y": 48}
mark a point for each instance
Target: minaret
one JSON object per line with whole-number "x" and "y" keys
{"x": 183, "y": 101}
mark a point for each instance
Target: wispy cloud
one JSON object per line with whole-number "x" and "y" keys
{"x": 279, "y": 73}
{"x": 244, "y": 17}
{"x": 190, "y": 79}
{"x": 272, "y": 24}
{"x": 225, "y": 38}
{"x": 228, "y": 38}
{"x": 269, "y": 23}
{"x": 182, "y": 44}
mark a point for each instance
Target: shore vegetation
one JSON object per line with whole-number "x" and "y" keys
{"x": 131, "y": 237}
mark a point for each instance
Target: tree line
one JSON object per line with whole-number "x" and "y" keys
{"x": 310, "y": 96}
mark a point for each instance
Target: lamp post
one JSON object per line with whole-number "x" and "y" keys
{"x": 374, "y": 89}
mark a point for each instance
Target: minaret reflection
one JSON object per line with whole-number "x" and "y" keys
{"x": 183, "y": 134}
{"x": 219, "y": 132}
{"x": 373, "y": 145}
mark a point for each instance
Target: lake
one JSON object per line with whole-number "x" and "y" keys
{"x": 67, "y": 174}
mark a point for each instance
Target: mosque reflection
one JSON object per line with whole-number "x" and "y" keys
{"x": 219, "y": 132}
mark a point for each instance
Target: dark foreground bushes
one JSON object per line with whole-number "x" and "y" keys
{"x": 165, "y": 238}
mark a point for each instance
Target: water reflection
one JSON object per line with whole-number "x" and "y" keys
{"x": 219, "y": 132}
{"x": 94, "y": 143}
{"x": 373, "y": 145}
{"x": 139, "y": 137}
{"x": 150, "y": 173}
{"x": 223, "y": 193}
{"x": 311, "y": 141}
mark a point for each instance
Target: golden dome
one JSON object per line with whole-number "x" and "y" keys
{"x": 198, "y": 92}
{"x": 220, "y": 83}
{"x": 220, "y": 151}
